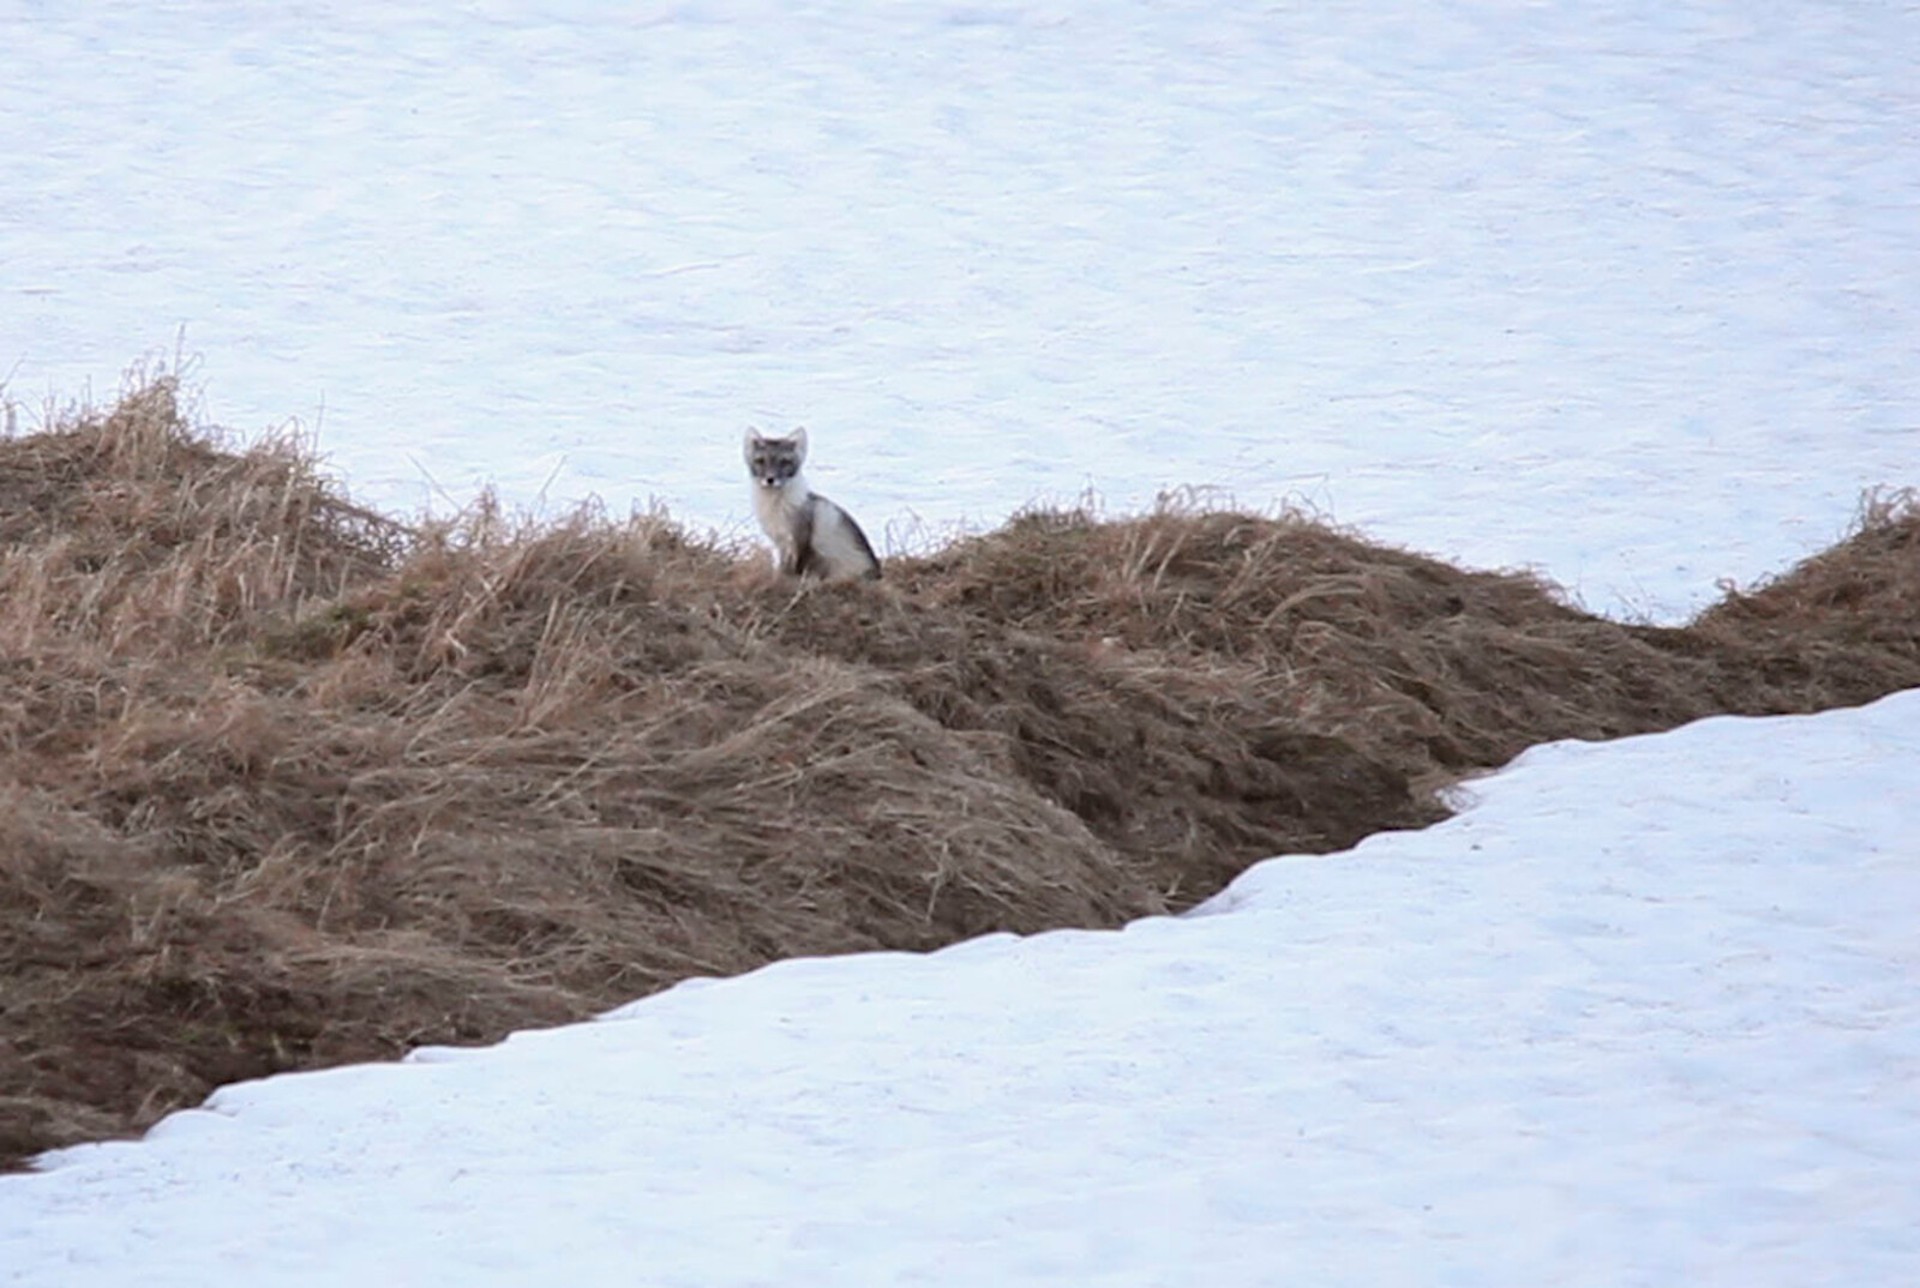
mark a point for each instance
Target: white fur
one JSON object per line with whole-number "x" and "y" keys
{"x": 778, "y": 509}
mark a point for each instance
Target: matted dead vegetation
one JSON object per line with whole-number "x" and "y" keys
{"x": 286, "y": 783}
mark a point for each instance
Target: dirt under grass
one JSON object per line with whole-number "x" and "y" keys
{"x": 285, "y": 783}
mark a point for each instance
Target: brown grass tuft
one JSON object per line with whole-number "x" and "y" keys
{"x": 286, "y": 783}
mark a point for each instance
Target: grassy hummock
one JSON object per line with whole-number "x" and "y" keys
{"x": 286, "y": 783}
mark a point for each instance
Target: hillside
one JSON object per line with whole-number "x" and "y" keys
{"x": 290, "y": 783}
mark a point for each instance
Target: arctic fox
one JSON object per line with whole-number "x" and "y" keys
{"x": 812, "y": 534}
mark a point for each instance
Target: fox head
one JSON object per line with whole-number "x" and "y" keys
{"x": 774, "y": 461}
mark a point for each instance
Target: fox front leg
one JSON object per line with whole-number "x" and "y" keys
{"x": 797, "y": 551}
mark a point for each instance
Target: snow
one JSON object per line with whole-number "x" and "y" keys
{"x": 1659, "y": 261}
{"x": 1642, "y": 1014}
{"x": 1626, "y": 292}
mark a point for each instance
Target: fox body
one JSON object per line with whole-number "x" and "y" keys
{"x": 812, "y": 534}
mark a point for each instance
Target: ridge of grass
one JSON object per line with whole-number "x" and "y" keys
{"x": 287, "y": 783}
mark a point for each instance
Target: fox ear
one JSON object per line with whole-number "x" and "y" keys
{"x": 747, "y": 440}
{"x": 799, "y": 437}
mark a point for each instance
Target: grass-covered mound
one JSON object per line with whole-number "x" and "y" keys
{"x": 286, "y": 783}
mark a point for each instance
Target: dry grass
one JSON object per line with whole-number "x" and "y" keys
{"x": 286, "y": 783}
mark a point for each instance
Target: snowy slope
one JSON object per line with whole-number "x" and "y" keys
{"x": 1644, "y": 1014}
{"x": 1627, "y": 291}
